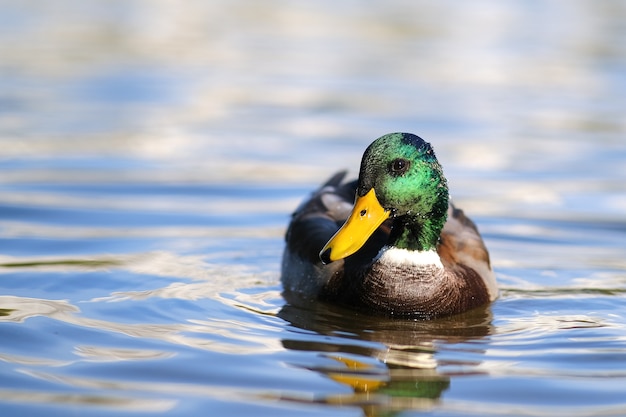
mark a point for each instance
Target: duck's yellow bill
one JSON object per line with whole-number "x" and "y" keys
{"x": 367, "y": 214}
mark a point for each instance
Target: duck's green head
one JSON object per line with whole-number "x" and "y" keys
{"x": 400, "y": 178}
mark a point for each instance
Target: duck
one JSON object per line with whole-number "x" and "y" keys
{"x": 390, "y": 243}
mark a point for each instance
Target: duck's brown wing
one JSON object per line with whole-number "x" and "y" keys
{"x": 462, "y": 247}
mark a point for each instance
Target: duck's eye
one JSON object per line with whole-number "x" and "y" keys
{"x": 399, "y": 166}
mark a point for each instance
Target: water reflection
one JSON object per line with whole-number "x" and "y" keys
{"x": 156, "y": 405}
{"x": 210, "y": 334}
{"x": 390, "y": 365}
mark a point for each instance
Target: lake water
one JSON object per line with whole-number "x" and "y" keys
{"x": 152, "y": 151}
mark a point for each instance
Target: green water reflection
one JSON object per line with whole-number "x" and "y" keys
{"x": 401, "y": 370}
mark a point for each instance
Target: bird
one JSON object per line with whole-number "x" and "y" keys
{"x": 390, "y": 243}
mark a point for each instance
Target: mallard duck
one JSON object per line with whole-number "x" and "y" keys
{"x": 399, "y": 248}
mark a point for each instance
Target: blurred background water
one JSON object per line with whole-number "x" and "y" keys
{"x": 152, "y": 151}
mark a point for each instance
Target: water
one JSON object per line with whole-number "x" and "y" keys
{"x": 152, "y": 152}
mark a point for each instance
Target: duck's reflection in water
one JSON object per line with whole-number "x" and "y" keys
{"x": 390, "y": 364}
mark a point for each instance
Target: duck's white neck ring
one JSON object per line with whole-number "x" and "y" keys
{"x": 395, "y": 256}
